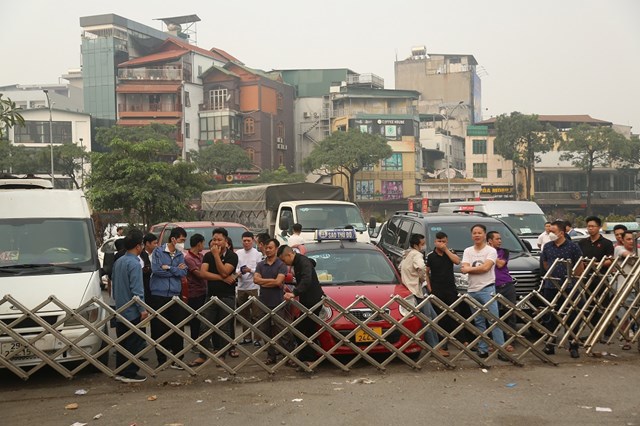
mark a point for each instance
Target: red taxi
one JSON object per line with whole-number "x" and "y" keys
{"x": 348, "y": 269}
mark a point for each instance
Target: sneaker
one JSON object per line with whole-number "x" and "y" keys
{"x": 257, "y": 343}
{"x": 483, "y": 354}
{"x": 573, "y": 350}
{"x": 246, "y": 341}
{"x": 119, "y": 378}
{"x": 137, "y": 378}
{"x": 549, "y": 350}
{"x": 176, "y": 366}
{"x": 443, "y": 352}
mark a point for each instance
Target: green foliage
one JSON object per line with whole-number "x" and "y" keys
{"x": 156, "y": 131}
{"x": 521, "y": 139}
{"x": 347, "y": 153}
{"x": 587, "y": 147}
{"x": 280, "y": 175}
{"x": 9, "y": 115}
{"x": 222, "y": 158}
{"x": 142, "y": 179}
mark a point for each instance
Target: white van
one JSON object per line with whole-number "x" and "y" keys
{"x": 525, "y": 217}
{"x": 47, "y": 248}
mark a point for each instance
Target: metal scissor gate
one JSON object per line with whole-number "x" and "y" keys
{"x": 601, "y": 303}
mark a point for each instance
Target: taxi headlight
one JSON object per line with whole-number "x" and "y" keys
{"x": 90, "y": 313}
{"x": 404, "y": 311}
{"x": 462, "y": 281}
{"x": 325, "y": 313}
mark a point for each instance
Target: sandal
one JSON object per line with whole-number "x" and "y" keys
{"x": 197, "y": 362}
{"x": 626, "y": 346}
{"x": 233, "y": 353}
{"x": 270, "y": 361}
{"x": 291, "y": 363}
{"x": 509, "y": 348}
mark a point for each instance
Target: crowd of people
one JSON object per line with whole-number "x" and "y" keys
{"x": 158, "y": 273}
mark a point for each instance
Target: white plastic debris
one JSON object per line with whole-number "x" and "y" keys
{"x": 207, "y": 380}
{"x": 78, "y": 424}
{"x": 222, "y": 379}
{"x": 81, "y": 392}
{"x": 484, "y": 370}
{"x": 603, "y": 410}
{"x": 296, "y": 400}
{"x": 97, "y": 416}
{"x": 362, "y": 380}
{"x": 198, "y": 401}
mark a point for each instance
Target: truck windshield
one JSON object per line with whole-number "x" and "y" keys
{"x": 460, "y": 236}
{"x": 524, "y": 224}
{"x": 46, "y": 242}
{"x": 329, "y": 216}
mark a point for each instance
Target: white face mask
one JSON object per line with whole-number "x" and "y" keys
{"x": 180, "y": 246}
{"x": 552, "y": 236}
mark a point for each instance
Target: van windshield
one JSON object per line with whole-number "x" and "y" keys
{"x": 524, "y": 224}
{"x": 46, "y": 242}
{"x": 460, "y": 236}
{"x": 329, "y": 216}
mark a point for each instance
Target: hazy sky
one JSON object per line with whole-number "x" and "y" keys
{"x": 544, "y": 56}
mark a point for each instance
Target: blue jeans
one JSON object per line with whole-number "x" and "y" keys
{"x": 430, "y": 335}
{"x": 483, "y": 296}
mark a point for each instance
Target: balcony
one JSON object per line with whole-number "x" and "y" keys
{"x": 354, "y": 110}
{"x": 150, "y": 74}
{"x": 154, "y": 110}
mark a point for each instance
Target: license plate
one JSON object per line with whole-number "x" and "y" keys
{"x": 364, "y": 337}
{"x": 22, "y": 351}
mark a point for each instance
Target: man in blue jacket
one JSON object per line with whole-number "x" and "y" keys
{"x": 167, "y": 270}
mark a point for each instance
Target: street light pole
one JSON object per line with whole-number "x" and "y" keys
{"x": 46, "y": 93}
{"x": 448, "y": 149}
{"x": 82, "y": 163}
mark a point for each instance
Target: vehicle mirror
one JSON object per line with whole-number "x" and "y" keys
{"x": 284, "y": 223}
{"x": 527, "y": 244}
{"x": 372, "y": 223}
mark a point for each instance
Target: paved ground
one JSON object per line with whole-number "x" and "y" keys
{"x": 575, "y": 392}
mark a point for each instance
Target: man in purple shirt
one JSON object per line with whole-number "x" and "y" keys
{"x": 504, "y": 281}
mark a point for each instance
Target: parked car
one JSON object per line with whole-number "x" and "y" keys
{"x": 349, "y": 269}
{"x": 524, "y": 268}
{"x": 205, "y": 228}
{"x": 157, "y": 228}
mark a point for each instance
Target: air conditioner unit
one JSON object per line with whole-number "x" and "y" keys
{"x": 315, "y": 115}
{"x": 279, "y": 140}
{"x": 306, "y": 115}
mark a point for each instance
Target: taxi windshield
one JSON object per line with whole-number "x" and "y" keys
{"x": 357, "y": 267}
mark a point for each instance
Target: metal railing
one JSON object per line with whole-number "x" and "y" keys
{"x": 603, "y": 302}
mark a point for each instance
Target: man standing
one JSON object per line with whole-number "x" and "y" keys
{"x": 196, "y": 282}
{"x": 248, "y": 258}
{"x": 597, "y": 247}
{"x": 441, "y": 281}
{"x": 127, "y": 283}
{"x": 479, "y": 262}
{"x": 504, "y": 281}
{"x": 269, "y": 276}
{"x": 150, "y": 242}
{"x": 414, "y": 272}
{"x": 544, "y": 237}
{"x": 296, "y": 239}
{"x": 308, "y": 290}
{"x": 167, "y": 270}
{"x": 218, "y": 268}
{"x": 618, "y": 232}
{"x": 559, "y": 248}
{"x": 568, "y": 229}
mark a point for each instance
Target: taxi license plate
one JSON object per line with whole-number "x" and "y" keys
{"x": 364, "y": 337}
{"x": 16, "y": 348}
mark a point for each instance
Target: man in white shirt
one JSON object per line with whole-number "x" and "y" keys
{"x": 544, "y": 237}
{"x": 248, "y": 258}
{"x": 479, "y": 262}
{"x": 296, "y": 239}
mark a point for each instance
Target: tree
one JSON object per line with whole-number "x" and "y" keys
{"x": 104, "y": 135}
{"x": 521, "y": 139}
{"x": 221, "y": 158}
{"x": 280, "y": 175}
{"x": 14, "y": 158}
{"x": 346, "y": 153}
{"x": 587, "y": 147}
{"x": 142, "y": 179}
{"x": 9, "y": 115}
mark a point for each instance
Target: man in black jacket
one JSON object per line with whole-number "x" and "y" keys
{"x": 309, "y": 292}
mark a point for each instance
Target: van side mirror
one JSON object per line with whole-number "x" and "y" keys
{"x": 372, "y": 222}
{"x": 527, "y": 244}
{"x": 284, "y": 223}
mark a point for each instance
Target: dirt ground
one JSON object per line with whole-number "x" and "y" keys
{"x": 589, "y": 391}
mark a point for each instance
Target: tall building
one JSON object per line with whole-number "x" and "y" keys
{"x": 107, "y": 41}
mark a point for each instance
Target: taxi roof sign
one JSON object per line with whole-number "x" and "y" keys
{"x": 336, "y": 234}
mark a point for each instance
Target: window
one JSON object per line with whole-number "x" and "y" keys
{"x": 391, "y": 189}
{"x": 281, "y": 159}
{"x": 499, "y": 173}
{"x": 364, "y": 189}
{"x": 251, "y": 153}
{"x": 495, "y": 148}
{"x": 479, "y": 170}
{"x": 218, "y": 99}
{"x": 187, "y": 130}
{"x": 479, "y": 146}
{"x": 215, "y": 128}
{"x": 249, "y": 126}
{"x": 187, "y": 100}
{"x": 154, "y": 103}
{"x": 404, "y": 233}
{"x": 38, "y": 132}
{"x": 279, "y": 101}
{"x": 280, "y": 130}
{"x": 393, "y": 163}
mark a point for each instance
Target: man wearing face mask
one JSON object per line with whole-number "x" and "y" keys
{"x": 168, "y": 267}
{"x": 413, "y": 271}
{"x": 559, "y": 247}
